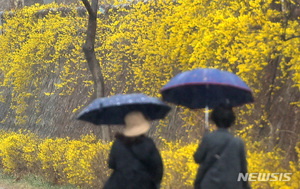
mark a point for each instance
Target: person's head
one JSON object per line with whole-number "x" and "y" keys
{"x": 136, "y": 124}
{"x": 223, "y": 116}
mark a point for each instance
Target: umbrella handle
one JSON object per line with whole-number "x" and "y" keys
{"x": 206, "y": 118}
{"x": 206, "y": 112}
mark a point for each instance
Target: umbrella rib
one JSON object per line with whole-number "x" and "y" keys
{"x": 203, "y": 83}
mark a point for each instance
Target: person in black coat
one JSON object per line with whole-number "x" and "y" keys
{"x": 134, "y": 158}
{"x": 221, "y": 156}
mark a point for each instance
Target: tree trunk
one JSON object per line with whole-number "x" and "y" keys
{"x": 93, "y": 64}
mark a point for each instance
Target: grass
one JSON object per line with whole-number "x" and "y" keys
{"x": 8, "y": 181}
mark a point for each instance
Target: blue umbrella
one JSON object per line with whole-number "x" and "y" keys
{"x": 113, "y": 109}
{"x": 206, "y": 88}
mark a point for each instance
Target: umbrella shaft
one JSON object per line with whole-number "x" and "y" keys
{"x": 206, "y": 117}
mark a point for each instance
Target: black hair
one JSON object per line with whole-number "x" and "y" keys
{"x": 223, "y": 116}
{"x": 129, "y": 140}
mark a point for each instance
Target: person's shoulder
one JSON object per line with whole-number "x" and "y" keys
{"x": 216, "y": 133}
{"x": 148, "y": 139}
{"x": 119, "y": 137}
{"x": 209, "y": 135}
{"x": 117, "y": 141}
{"x": 238, "y": 140}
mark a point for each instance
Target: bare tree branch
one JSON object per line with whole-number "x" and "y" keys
{"x": 294, "y": 36}
{"x": 93, "y": 64}
{"x": 89, "y": 8}
{"x": 88, "y": 49}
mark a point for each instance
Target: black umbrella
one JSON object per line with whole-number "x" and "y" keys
{"x": 206, "y": 88}
{"x": 113, "y": 109}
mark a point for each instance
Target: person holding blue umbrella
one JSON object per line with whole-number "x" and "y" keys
{"x": 221, "y": 155}
{"x": 134, "y": 158}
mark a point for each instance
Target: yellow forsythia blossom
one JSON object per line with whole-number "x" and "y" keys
{"x": 83, "y": 162}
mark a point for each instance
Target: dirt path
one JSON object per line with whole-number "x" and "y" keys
{"x": 3, "y": 186}
{"x": 10, "y": 185}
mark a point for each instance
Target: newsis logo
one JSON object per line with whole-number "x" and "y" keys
{"x": 285, "y": 177}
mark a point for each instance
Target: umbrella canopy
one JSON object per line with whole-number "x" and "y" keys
{"x": 113, "y": 109}
{"x": 200, "y": 88}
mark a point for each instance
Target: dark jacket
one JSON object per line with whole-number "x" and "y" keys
{"x": 223, "y": 172}
{"x": 136, "y": 164}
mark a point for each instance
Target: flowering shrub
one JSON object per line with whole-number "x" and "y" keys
{"x": 19, "y": 152}
{"x": 179, "y": 166}
{"x": 154, "y": 40}
{"x": 52, "y": 153}
{"x": 83, "y": 162}
{"x": 86, "y": 161}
